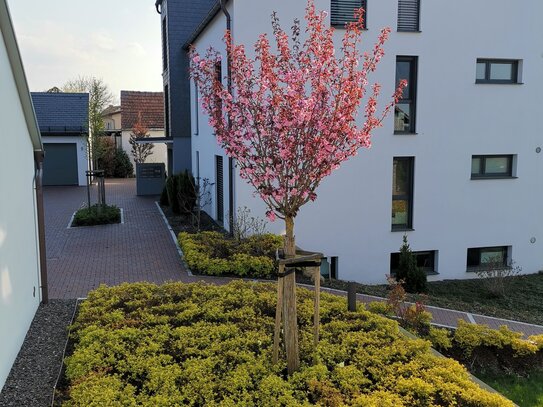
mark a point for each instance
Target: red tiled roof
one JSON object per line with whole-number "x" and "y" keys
{"x": 149, "y": 104}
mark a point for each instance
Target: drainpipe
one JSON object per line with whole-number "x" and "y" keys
{"x": 231, "y": 162}
{"x": 38, "y": 160}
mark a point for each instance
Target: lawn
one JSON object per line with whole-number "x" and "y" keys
{"x": 526, "y": 392}
{"x": 523, "y": 301}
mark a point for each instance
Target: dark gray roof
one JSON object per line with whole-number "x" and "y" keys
{"x": 61, "y": 113}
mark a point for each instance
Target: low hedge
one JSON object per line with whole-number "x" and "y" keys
{"x": 213, "y": 253}
{"x": 199, "y": 345}
{"x": 490, "y": 350}
{"x": 97, "y": 215}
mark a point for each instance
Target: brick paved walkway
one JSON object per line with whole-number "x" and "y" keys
{"x": 142, "y": 249}
{"x": 80, "y": 259}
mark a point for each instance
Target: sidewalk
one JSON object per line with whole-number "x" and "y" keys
{"x": 448, "y": 318}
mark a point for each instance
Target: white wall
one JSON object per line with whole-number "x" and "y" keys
{"x": 159, "y": 153}
{"x": 456, "y": 119}
{"x": 19, "y": 259}
{"x": 82, "y": 154}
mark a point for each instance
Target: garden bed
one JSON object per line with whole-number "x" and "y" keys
{"x": 97, "y": 215}
{"x": 521, "y": 303}
{"x": 195, "y": 344}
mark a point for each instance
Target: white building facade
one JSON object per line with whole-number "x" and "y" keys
{"x": 458, "y": 167}
{"x": 22, "y": 257}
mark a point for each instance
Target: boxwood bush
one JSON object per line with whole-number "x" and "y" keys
{"x": 97, "y": 215}
{"x": 200, "y": 345}
{"x": 213, "y": 253}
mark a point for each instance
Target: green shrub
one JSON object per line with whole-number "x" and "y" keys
{"x": 186, "y": 192}
{"x": 97, "y": 215}
{"x": 171, "y": 191}
{"x": 413, "y": 277}
{"x": 122, "y": 166}
{"x": 212, "y": 253}
{"x": 164, "y": 197}
{"x": 197, "y": 344}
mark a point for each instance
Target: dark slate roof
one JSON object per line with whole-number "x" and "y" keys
{"x": 149, "y": 104}
{"x": 61, "y": 113}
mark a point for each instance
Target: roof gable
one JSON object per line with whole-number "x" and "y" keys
{"x": 149, "y": 104}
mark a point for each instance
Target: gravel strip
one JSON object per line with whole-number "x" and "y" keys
{"x": 35, "y": 371}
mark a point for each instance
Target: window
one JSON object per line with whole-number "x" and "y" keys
{"x": 198, "y": 168}
{"x": 218, "y": 71}
{"x": 497, "y": 71}
{"x": 405, "y": 109}
{"x": 166, "y": 111}
{"x": 219, "y": 186}
{"x": 343, "y": 11}
{"x": 491, "y": 166}
{"x": 402, "y": 193}
{"x": 164, "y": 45}
{"x": 480, "y": 257}
{"x": 409, "y": 15}
{"x": 425, "y": 260}
{"x": 196, "y": 109}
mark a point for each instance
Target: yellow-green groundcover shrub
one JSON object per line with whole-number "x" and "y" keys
{"x": 202, "y": 345}
{"x": 213, "y": 253}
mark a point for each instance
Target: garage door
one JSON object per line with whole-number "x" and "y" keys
{"x": 60, "y": 164}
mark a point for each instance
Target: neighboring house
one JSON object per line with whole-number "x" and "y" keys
{"x": 179, "y": 18}
{"x": 458, "y": 167}
{"x": 23, "y": 277}
{"x": 149, "y": 106}
{"x": 63, "y": 119}
{"x": 112, "y": 123}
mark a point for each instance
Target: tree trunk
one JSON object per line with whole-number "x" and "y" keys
{"x": 290, "y": 319}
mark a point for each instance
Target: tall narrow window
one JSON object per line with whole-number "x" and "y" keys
{"x": 196, "y": 109}
{"x": 405, "y": 109}
{"x": 343, "y": 12}
{"x": 219, "y": 188}
{"x": 409, "y": 15}
{"x": 164, "y": 45}
{"x": 166, "y": 111}
{"x": 198, "y": 168}
{"x": 402, "y": 193}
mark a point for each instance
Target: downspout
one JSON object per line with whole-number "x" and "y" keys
{"x": 231, "y": 162}
{"x": 38, "y": 160}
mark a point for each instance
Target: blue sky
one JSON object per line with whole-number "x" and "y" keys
{"x": 118, "y": 41}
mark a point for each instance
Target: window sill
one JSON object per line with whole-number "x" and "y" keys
{"x": 409, "y": 31}
{"x": 405, "y": 133}
{"x": 497, "y": 83}
{"x": 402, "y": 229}
{"x": 492, "y": 177}
{"x": 342, "y": 27}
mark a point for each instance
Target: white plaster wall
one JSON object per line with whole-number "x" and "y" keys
{"x": 19, "y": 264}
{"x": 203, "y": 140}
{"x": 456, "y": 119}
{"x": 82, "y": 153}
{"x": 159, "y": 153}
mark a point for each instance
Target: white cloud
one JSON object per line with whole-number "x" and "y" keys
{"x": 137, "y": 49}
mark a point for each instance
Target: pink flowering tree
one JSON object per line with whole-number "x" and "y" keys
{"x": 291, "y": 115}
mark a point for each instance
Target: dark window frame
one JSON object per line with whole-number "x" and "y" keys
{"x": 488, "y": 63}
{"x": 412, "y": 99}
{"x": 166, "y": 111}
{"x": 417, "y": 29}
{"x": 405, "y": 197}
{"x": 196, "y": 109}
{"x": 476, "y": 251}
{"x": 429, "y": 269}
{"x": 219, "y": 188}
{"x": 336, "y": 23}
{"x": 164, "y": 44}
{"x": 482, "y": 174}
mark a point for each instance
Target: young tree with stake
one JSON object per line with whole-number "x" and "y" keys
{"x": 289, "y": 118}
